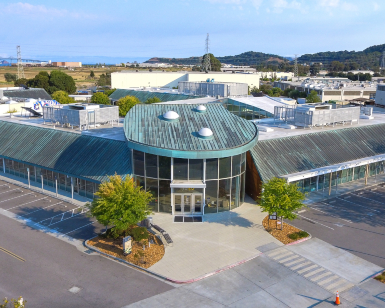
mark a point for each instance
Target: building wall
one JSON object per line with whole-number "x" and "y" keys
{"x": 380, "y": 94}
{"x": 67, "y": 64}
{"x": 253, "y": 185}
{"x": 121, "y": 80}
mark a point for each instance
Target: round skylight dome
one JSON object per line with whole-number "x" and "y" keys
{"x": 205, "y": 132}
{"x": 171, "y": 115}
{"x": 201, "y": 108}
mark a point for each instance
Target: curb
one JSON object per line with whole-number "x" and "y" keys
{"x": 302, "y": 239}
{"x": 164, "y": 277}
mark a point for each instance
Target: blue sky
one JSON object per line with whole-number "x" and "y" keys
{"x": 118, "y": 30}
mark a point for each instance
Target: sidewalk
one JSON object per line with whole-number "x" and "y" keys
{"x": 221, "y": 240}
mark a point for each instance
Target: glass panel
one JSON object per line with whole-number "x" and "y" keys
{"x": 90, "y": 189}
{"x": 225, "y": 167}
{"x": 306, "y": 184}
{"x": 362, "y": 172}
{"x": 236, "y": 168}
{"x": 139, "y": 181}
{"x": 212, "y": 169}
{"x": 186, "y": 204}
{"x": 243, "y": 166}
{"x": 82, "y": 188}
{"x": 151, "y": 166}
{"x": 356, "y": 174}
{"x": 164, "y": 167}
{"x": 180, "y": 169}
{"x": 178, "y": 203}
{"x": 62, "y": 182}
{"x": 164, "y": 196}
{"x": 235, "y": 192}
{"x": 243, "y": 187}
{"x": 211, "y": 197}
{"x": 197, "y": 203}
{"x": 138, "y": 163}
{"x": 313, "y": 183}
{"x": 152, "y": 187}
{"x": 224, "y": 195}
{"x": 196, "y": 169}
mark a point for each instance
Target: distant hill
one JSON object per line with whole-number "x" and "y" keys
{"x": 246, "y": 58}
{"x": 368, "y": 58}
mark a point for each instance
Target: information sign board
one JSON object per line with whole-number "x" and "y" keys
{"x": 127, "y": 245}
{"x": 273, "y": 216}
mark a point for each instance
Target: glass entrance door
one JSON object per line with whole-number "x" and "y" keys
{"x": 187, "y": 204}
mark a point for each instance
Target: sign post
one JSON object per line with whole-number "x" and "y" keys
{"x": 127, "y": 245}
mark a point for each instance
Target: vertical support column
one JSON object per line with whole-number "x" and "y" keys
{"x": 204, "y": 189}
{"x": 56, "y": 185}
{"x": 330, "y": 183}
{"x": 172, "y": 189}
{"x": 29, "y": 182}
{"x": 3, "y": 165}
{"x": 366, "y": 174}
{"x": 72, "y": 187}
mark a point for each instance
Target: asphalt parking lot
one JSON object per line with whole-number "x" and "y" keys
{"x": 354, "y": 221}
{"x": 64, "y": 217}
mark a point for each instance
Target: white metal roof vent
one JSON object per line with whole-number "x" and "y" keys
{"x": 201, "y": 109}
{"x": 205, "y": 133}
{"x": 171, "y": 116}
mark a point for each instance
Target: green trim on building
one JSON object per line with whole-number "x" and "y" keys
{"x": 282, "y": 156}
{"x": 145, "y": 95}
{"x": 148, "y": 132}
{"x": 87, "y": 157}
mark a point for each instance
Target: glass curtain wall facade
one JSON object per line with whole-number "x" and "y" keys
{"x": 339, "y": 177}
{"x": 82, "y": 187}
{"x": 245, "y": 111}
{"x": 224, "y": 179}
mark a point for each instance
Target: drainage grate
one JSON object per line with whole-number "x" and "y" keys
{"x": 89, "y": 251}
{"x": 188, "y": 219}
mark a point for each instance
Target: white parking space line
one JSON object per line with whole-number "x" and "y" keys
{"x": 368, "y": 198}
{"x": 62, "y": 216}
{"x": 42, "y": 209}
{"x": 16, "y": 197}
{"x": 315, "y": 221}
{"x": 80, "y": 227}
{"x": 27, "y": 203}
{"x": 4, "y": 192}
{"x": 5, "y": 185}
{"x": 365, "y": 207}
{"x": 329, "y": 214}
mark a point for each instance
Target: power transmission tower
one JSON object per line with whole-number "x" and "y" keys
{"x": 295, "y": 66}
{"x": 383, "y": 60}
{"x": 206, "y": 66}
{"x": 20, "y": 70}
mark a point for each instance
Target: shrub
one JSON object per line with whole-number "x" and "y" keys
{"x": 298, "y": 235}
{"x": 138, "y": 234}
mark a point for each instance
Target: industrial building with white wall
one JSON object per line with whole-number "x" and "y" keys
{"x": 133, "y": 79}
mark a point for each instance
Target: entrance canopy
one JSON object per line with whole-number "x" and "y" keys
{"x": 187, "y": 184}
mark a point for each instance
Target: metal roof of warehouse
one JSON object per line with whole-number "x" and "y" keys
{"x": 35, "y": 93}
{"x": 87, "y": 157}
{"x": 147, "y": 131}
{"x": 283, "y": 156}
{"x": 145, "y": 95}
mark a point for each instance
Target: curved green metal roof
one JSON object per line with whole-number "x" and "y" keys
{"x": 87, "y": 157}
{"x": 145, "y": 95}
{"x": 148, "y": 132}
{"x": 287, "y": 155}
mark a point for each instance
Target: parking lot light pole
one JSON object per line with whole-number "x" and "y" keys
{"x": 29, "y": 182}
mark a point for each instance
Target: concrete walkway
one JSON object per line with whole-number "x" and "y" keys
{"x": 221, "y": 240}
{"x": 302, "y": 275}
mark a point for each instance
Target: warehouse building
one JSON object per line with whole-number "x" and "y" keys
{"x": 195, "y": 158}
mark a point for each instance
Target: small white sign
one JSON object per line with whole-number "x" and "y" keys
{"x": 278, "y": 222}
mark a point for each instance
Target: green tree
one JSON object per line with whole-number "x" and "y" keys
{"x": 297, "y": 94}
{"x": 10, "y": 77}
{"x": 276, "y": 92}
{"x": 215, "y": 63}
{"x": 104, "y": 80}
{"x": 254, "y": 90}
{"x": 315, "y": 69}
{"x": 92, "y": 74}
{"x": 100, "y": 98}
{"x": 41, "y": 80}
{"x": 153, "y": 100}
{"x": 120, "y": 203}
{"x": 62, "y": 97}
{"x": 59, "y": 80}
{"x": 265, "y": 88}
{"x": 21, "y": 81}
{"x": 282, "y": 198}
{"x": 313, "y": 97}
{"x": 126, "y": 103}
{"x": 109, "y": 92}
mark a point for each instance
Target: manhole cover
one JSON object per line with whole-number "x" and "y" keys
{"x": 74, "y": 289}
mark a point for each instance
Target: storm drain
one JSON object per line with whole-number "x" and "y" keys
{"x": 188, "y": 219}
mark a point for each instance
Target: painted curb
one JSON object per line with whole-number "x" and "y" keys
{"x": 167, "y": 278}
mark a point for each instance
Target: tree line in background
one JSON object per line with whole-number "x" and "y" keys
{"x": 271, "y": 91}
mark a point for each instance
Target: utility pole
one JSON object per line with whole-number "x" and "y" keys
{"x": 206, "y": 58}
{"x": 296, "y": 66}
{"x": 20, "y": 70}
